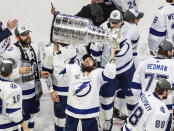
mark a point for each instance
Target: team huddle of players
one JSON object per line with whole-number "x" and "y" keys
{"x": 86, "y": 80}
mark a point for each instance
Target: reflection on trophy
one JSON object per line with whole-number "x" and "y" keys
{"x": 76, "y": 30}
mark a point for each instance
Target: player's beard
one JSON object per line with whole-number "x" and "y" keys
{"x": 165, "y": 97}
{"x": 25, "y": 42}
{"x": 87, "y": 68}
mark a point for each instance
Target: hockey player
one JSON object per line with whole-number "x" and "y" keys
{"x": 5, "y": 33}
{"x": 150, "y": 70}
{"x": 84, "y": 86}
{"x": 162, "y": 26}
{"x": 10, "y": 100}
{"x": 124, "y": 62}
{"x": 27, "y": 72}
{"x": 58, "y": 84}
{"x": 132, "y": 17}
{"x": 151, "y": 113}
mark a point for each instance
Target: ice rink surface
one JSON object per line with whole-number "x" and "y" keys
{"x": 35, "y": 14}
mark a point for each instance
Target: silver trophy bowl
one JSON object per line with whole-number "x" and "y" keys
{"x": 79, "y": 31}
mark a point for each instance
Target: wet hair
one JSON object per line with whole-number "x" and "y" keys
{"x": 159, "y": 90}
{"x": 88, "y": 55}
{"x": 162, "y": 52}
{"x": 89, "y": 69}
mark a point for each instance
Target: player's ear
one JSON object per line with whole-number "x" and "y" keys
{"x": 17, "y": 38}
{"x": 169, "y": 53}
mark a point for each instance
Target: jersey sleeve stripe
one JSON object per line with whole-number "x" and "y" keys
{"x": 96, "y": 53}
{"x": 170, "y": 107}
{"x": 136, "y": 85}
{"x": 8, "y": 125}
{"x": 157, "y": 33}
{"x": 10, "y": 110}
{"x": 60, "y": 89}
{"x": 105, "y": 78}
{"x": 28, "y": 92}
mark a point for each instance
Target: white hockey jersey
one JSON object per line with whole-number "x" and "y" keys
{"x": 123, "y": 58}
{"x": 126, "y": 4}
{"x": 28, "y": 88}
{"x": 3, "y": 45}
{"x": 162, "y": 26}
{"x": 10, "y": 105}
{"x": 149, "y": 72}
{"x": 134, "y": 36}
{"x": 70, "y": 54}
{"x": 83, "y": 94}
{"x": 151, "y": 114}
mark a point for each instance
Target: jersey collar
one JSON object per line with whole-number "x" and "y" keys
{"x": 4, "y": 79}
{"x": 156, "y": 96}
{"x": 157, "y": 57}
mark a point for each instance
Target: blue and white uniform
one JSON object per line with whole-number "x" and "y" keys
{"x": 124, "y": 67}
{"x": 10, "y": 105}
{"x": 151, "y": 114}
{"x": 59, "y": 81}
{"x": 5, "y": 33}
{"x": 134, "y": 37}
{"x": 149, "y": 72}
{"x": 30, "y": 105}
{"x": 28, "y": 88}
{"x": 162, "y": 26}
{"x": 83, "y": 90}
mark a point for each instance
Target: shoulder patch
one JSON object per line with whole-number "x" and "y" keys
{"x": 13, "y": 86}
{"x": 10, "y": 48}
{"x": 49, "y": 44}
{"x": 162, "y": 109}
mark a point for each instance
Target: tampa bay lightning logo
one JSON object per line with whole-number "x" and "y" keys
{"x": 124, "y": 46}
{"x": 13, "y": 86}
{"x": 162, "y": 109}
{"x": 82, "y": 89}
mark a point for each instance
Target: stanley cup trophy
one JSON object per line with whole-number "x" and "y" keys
{"x": 80, "y": 31}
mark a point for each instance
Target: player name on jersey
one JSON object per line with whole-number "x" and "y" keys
{"x": 145, "y": 102}
{"x": 171, "y": 16}
{"x": 157, "y": 67}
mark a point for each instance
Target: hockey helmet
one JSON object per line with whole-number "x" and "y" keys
{"x": 6, "y": 66}
{"x": 164, "y": 84}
